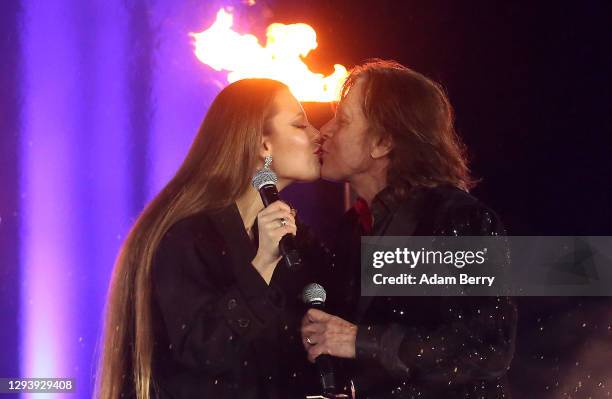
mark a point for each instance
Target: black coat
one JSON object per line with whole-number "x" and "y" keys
{"x": 425, "y": 347}
{"x": 220, "y": 330}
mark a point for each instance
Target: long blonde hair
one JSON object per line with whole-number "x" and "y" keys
{"x": 216, "y": 171}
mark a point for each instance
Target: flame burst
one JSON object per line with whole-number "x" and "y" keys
{"x": 242, "y": 56}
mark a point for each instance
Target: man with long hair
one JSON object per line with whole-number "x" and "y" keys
{"x": 393, "y": 140}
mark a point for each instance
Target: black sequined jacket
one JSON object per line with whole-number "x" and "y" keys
{"x": 424, "y": 347}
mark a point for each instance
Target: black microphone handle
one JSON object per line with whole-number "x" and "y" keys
{"x": 269, "y": 194}
{"x": 286, "y": 246}
{"x": 326, "y": 372}
{"x": 325, "y": 364}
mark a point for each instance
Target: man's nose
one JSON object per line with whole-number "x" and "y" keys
{"x": 326, "y": 130}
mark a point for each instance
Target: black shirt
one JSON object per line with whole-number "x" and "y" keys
{"x": 220, "y": 330}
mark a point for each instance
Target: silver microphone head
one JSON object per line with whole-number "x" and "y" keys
{"x": 263, "y": 177}
{"x": 313, "y": 293}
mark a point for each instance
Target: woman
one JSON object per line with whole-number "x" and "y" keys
{"x": 199, "y": 304}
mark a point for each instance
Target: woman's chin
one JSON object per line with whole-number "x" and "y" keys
{"x": 316, "y": 171}
{"x": 309, "y": 176}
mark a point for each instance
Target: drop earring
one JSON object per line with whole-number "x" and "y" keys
{"x": 264, "y": 175}
{"x": 267, "y": 161}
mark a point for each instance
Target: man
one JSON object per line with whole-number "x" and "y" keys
{"x": 392, "y": 139}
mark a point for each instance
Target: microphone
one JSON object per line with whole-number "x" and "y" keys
{"x": 314, "y": 296}
{"x": 265, "y": 181}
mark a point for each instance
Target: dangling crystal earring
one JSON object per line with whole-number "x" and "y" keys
{"x": 267, "y": 161}
{"x": 264, "y": 175}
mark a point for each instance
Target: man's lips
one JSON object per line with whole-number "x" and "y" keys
{"x": 321, "y": 154}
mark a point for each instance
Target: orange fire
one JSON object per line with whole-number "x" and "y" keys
{"x": 242, "y": 56}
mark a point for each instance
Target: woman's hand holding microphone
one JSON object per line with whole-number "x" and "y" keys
{"x": 273, "y": 222}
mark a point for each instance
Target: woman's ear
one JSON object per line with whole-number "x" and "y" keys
{"x": 266, "y": 147}
{"x": 381, "y": 147}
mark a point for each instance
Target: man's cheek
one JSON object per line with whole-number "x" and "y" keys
{"x": 339, "y": 142}
{"x": 352, "y": 155}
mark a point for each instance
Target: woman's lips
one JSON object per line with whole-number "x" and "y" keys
{"x": 319, "y": 151}
{"x": 318, "y": 142}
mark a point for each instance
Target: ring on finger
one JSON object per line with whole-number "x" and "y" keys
{"x": 283, "y": 222}
{"x": 309, "y": 341}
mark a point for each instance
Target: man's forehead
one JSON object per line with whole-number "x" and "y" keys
{"x": 345, "y": 106}
{"x": 353, "y": 96}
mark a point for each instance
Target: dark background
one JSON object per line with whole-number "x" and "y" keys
{"x": 530, "y": 83}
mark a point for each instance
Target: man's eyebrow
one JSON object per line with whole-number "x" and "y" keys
{"x": 341, "y": 110}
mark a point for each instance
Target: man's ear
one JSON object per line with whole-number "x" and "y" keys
{"x": 381, "y": 147}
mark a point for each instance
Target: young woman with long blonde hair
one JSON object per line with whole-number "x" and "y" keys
{"x": 199, "y": 304}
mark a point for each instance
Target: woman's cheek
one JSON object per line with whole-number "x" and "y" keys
{"x": 300, "y": 139}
